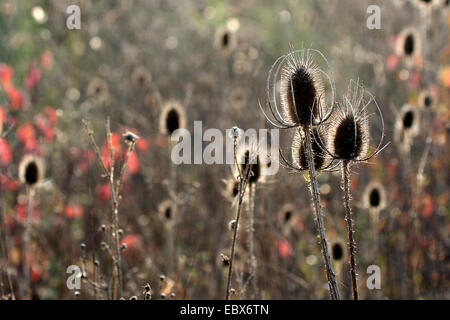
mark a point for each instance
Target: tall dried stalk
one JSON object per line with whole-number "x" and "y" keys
{"x": 243, "y": 181}
{"x": 348, "y": 218}
{"x": 332, "y": 284}
{"x": 26, "y": 245}
{"x": 251, "y": 239}
{"x": 115, "y": 186}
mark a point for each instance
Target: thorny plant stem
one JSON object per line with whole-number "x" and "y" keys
{"x": 117, "y": 272}
{"x": 26, "y": 247}
{"x": 332, "y": 284}
{"x": 251, "y": 239}
{"x": 242, "y": 186}
{"x": 348, "y": 218}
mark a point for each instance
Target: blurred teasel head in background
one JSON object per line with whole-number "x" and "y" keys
{"x": 31, "y": 170}
{"x": 172, "y": 117}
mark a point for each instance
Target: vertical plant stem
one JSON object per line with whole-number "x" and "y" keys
{"x": 332, "y": 284}
{"x": 26, "y": 247}
{"x": 348, "y": 218}
{"x": 117, "y": 272}
{"x": 251, "y": 239}
{"x": 242, "y": 186}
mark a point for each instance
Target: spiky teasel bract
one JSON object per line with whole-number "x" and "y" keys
{"x": 302, "y": 100}
{"x": 172, "y": 117}
{"x": 348, "y": 129}
{"x": 31, "y": 170}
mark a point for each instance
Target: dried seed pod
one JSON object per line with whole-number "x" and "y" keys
{"x": 299, "y": 154}
{"x": 301, "y": 89}
{"x": 374, "y": 196}
{"x": 409, "y": 43}
{"x": 172, "y": 117}
{"x": 348, "y": 134}
{"x": 31, "y": 170}
{"x": 167, "y": 211}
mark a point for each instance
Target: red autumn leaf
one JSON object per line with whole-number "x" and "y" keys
{"x": 142, "y": 145}
{"x": 5, "y": 152}
{"x": 15, "y": 98}
{"x": 284, "y": 248}
{"x": 104, "y": 191}
{"x": 33, "y": 76}
{"x": 131, "y": 240}
{"x": 27, "y": 136}
{"x": 6, "y": 74}
{"x": 73, "y": 212}
{"x": 133, "y": 163}
{"x": 51, "y": 114}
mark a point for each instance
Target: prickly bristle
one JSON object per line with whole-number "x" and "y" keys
{"x": 348, "y": 139}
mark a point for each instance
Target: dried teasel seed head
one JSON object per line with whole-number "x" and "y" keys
{"x": 133, "y": 298}
{"x": 123, "y": 246}
{"x": 147, "y": 287}
{"x": 409, "y": 44}
{"x": 232, "y": 225}
{"x": 338, "y": 250}
{"x": 348, "y": 134}
{"x": 172, "y": 295}
{"x": 167, "y": 211}
{"x": 374, "y": 196}
{"x": 172, "y": 117}
{"x": 299, "y": 151}
{"x": 301, "y": 89}
{"x": 225, "y": 40}
{"x": 162, "y": 277}
{"x": 103, "y": 228}
{"x": 31, "y": 170}
{"x": 82, "y": 246}
{"x": 163, "y": 296}
{"x": 407, "y": 125}
{"x": 130, "y": 137}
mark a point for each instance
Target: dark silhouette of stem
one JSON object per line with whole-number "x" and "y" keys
{"x": 348, "y": 218}
{"x": 332, "y": 284}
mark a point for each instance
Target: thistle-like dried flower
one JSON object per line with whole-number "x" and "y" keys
{"x": 409, "y": 43}
{"x": 338, "y": 250}
{"x": 167, "y": 211}
{"x": 374, "y": 197}
{"x": 31, "y": 170}
{"x": 301, "y": 89}
{"x": 426, "y": 100}
{"x": 299, "y": 155}
{"x": 172, "y": 117}
{"x": 225, "y": 40}
{"x": 302, "y": 98}
{"x": 348, "y": 134}
{"x": 407, "y": 127}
